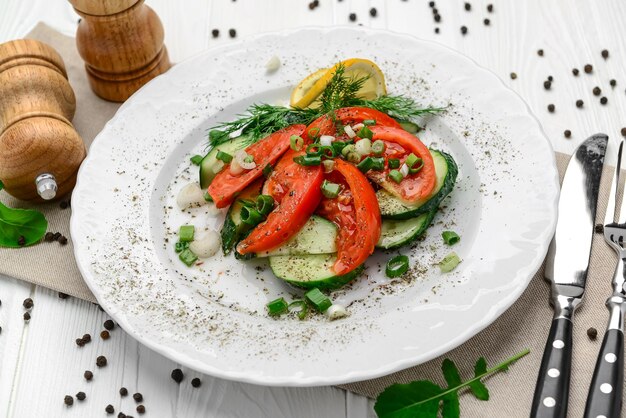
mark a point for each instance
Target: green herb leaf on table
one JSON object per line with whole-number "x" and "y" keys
{"x": 422, "y": 398}
{"x": 16, "y": 223}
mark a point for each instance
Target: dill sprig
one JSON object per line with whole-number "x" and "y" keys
{"x": 340, "y": 91}
{"x": 398, "y": 107}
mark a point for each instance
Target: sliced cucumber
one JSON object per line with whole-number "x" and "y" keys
{"x": 409, "y": 126}
{"x": 446, "y": 170}
{"x": 396, "y": 233}
{"x": 317, "y": 236}
{"x": 309, "y": 271}
{"x": 210, "y": 165}
{"x": 234, "y": 229}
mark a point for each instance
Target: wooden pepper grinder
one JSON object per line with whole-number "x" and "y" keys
{"x": 121, "y": 42}
{"x": 40, "y": 151}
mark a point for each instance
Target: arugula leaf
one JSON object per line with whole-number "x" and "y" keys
{"x": 421, "y": 398}
{"x": 16, "y": 223}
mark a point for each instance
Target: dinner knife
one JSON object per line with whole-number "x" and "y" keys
{"x": 566, "y": 269}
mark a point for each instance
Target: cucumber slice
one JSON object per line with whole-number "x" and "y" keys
{"x": 409, "y": 126}
{"x": 309, "y": 271}
{"x": 234, "y": 229}
{"x": 396, "y": 233}
{"x": 393, "y": 208}
{"x": 317, "y": 236}
{"x": 209, "y": 165}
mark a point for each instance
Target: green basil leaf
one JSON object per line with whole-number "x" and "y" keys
{"x": 31, "y": 224}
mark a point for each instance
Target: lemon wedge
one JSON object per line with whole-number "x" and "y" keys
{"x": 308, "y": 90}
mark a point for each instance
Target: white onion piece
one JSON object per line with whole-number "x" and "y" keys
{"x": 329, "y": 165}
{"x": 235, "y": 168}
{"x": 364, "y": 146}
{"x": 336, "y": 311}
{"x": 217, "y": 166}
{"x": 190, "y": 196}
{"x": 404, "y": 170}
{"x": 240, "y": 157}
{"x": 273, "y": 64}
{"x": 206, "y": 245}
{"x": 357, "y": 127}
{"x": 349, "y": 131}
{"x": 326, "y": 140}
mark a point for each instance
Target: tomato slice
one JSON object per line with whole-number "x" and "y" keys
{"x": 357, "y": 216}
{"x": 268, "y": 150}
{"x": 324, "y": 125}
{"x": 300, "y": 194}
{"x": 399, "y": 144}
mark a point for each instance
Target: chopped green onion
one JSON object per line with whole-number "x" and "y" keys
{"x": 248, "y": 159}
{"x": 365, "y": 165}
{"x": 450, "y": 237}
{"x": 396, "y": 176}
{"x": 328, "y": 152}
{"x": 301, "y": 307}
{"x": 314, "y": 149}
{"x": 339, "y": 146}
{"x": 207, "y": 197}
{"x": 185, "y": 233}
{"x": 188, "y": 257}
{"x": 348, "y": 149}
{"x": 365, "y": 132}
{"x": 449, "y": 262}
{"x": 354, "y": 157}
{"x": 196, "y": 159}
{"x": 277, "y": 307}
{"x": 330, "y": 190}
{"x": 267, "y": 170}
{"x": 180, "y": 246}
{"x": 414, "y": 169}
{"x": 397, "y": 266}
{"x": 250, "y": 215}
{"x": 378, "y": 147}
{"x": 393, "y": 163}
{"x": 411, "y": 160}
{"x": 308, "y": 160}
{"x": 369, "y": 122}
{"x": 224, "y": 156}
{"x": 264, "y": 204}
{"x": 378, "y": 163}
{"x": 296, "y": 142}
{"x": 319, "y": 300}
{"x": 314, "y": 133}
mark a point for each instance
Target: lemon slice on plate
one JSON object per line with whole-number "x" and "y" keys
{"x": 308, "y": 90}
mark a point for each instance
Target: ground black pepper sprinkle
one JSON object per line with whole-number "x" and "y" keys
{"x": 579, "y": 103}
{"x": 604, "y": 100}
{"x": 599, "y": 228}
{"x": 21, "y": 241}
{"x": 28, "y": 303}
{"x": 547, "y": 84}
{"x": 490, "y": 8}
{"x": 101, "y": 361}
{"x": 81, "y": 396}
{"x": 592, "y": 333}
{"x": 597, "y": 91}
{"x": 232, "y": 33}
{"x": 63, "y": 240}
{"x": 540, "y": 52}
{"x": 352, "y": 17}
{"x": 468, "y": 7}
{"x": 195, "y": 382}
{"x": 373, "y": 12}
{"x": 109, "y": 409}
{"x": 486, "y": 22}
{"x": 613, "y": 82}
{"x": 88, "y": 375}
{"x": 588, "y": 68}
{"x": 105, "y": 335}
{"x": 68, "y": 400}
{"x": 551, "y": 108}
{"x": 49, "y": 237}
{"x": 26, "y": 316}
{"x": 177, "y": 375}
{"x": 623, "y": 131}
{"x": 123, "y": 391}
{"x": 605, "y": 53}
{"x": 567, "y": 133}
{"x": 513, "y": 76}
{"x": 141, "y": 409}
{"x": 87, "y": 338}
{"x": 63, "y": 295}
{"x": 464, "y": 30}
{"x": 575, "y": 71}
{"x": 138, "y": 397}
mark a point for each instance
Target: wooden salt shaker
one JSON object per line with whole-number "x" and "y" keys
{"x": 40, "y": 151}
{"x": 121, "y": 42}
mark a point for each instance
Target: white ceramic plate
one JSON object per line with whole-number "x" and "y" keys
{"x": 212, "y": 318}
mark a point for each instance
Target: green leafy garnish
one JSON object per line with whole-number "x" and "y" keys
{"x": 20, "y": 227}
{"x": 423, "y": 398}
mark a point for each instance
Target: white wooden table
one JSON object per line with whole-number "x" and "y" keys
{"x": 40, "y": 362}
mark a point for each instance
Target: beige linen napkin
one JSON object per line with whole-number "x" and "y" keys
{"x": 524, "y": 325}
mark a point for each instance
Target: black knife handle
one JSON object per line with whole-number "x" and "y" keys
{"x": 552, "y": 390}
{"x": 605, "y": 392}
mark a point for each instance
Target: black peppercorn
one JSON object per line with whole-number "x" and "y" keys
{"x": 613, "y": 82}
{"x": 513, "y": 76}
{"x": 28, "y": 303}
{"x": 373, "y": 12}
{"x": 87, "y": 338}
{"x": 567, "y": 133}
{"x": 605, "y": 53}
{"x": 623, "y": 131}
{"x": 490, "y": 8}
{"x": 550, "y": 78}
{"x": 604, "y": 100}
{"x": 588, "y": 68}
{"x": 436, "y": 30}
{"x": 141, "y": 409}
{"x": 592, "y": 333}
{"x": 195, "y": 382}
{"x": 215, "y": 33}
{"x": 464, "y": 30}
{"x": 232, "y": 33}
{"x": 63, "y": 295}
{"x": 62, "y": 240}
{"x": 138, "y": 397}
{"x": 121, "y": 415}
{"x": 547, "y": 85}
{"x": 105, "y": 335}
{"x": 575, "y": 71}
{"x": 596, "y": 91}
{"x": 599, "y": 228}
{"x": 49, "y": 237}
{"x": 437, "y": 18}
{"x": 109, "y": 325}
{"x": 540, "y": 52}
{"x": 63, "y": 204}
{"x": 81, "y": 396}
{"x": 123, "y": 391}
{"x": 486, "y": 22}
{"x": 101, "y": 361}
{"x": 435, "y": 11}
{"x": 109, "y": 409}
{"x": 56, "y": 236}
{"x": 431, "y": 4}
{"x": 88, "y": 375}
{"x": 80, "y": 342}
{"x": 352, "y": 17}
{"x": 26, "y": 316}
{"x": 468, "y": 7}
{"x": 177, "y": 375}
{"x": 579, "y": 103}
{"x": 551, "y": 108}
{"x": 68, "y": 400}
{"x": 311, "y": 6}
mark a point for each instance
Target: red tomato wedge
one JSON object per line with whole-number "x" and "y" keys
{"x": 300, "y": 194}
{"x": 348, "y": 116}
{"x": 399, "y": 144}
{"x": 225, "y": 185}
{"x": 357, "y": 216}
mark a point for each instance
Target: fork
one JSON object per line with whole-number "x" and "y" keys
{"x": 605, "y": 393}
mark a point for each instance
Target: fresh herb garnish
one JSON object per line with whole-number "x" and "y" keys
{"x": 20, "y": 227}
{"x": 422, "y": 398}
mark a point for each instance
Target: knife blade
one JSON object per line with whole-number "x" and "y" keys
{"x": 567, "y": 264}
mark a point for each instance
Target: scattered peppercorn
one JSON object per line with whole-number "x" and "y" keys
{"x": 311, "y": 6}
{"x": 567, "y": 133}
{"x": 468, "y": 7}
{"x": 540, "y": 52}
{"x": 588, "y": 68}
{"x": 56, "y": 236}
{"x": 81, "y": 396}
{"x": 63, "y": 240}
{"x": 105, "y": 335}
{"x": 431, "y": 4}
{"x": 592, "y": 333}
{"x": 604, "y": 100}
{"x": 68, "y": 400}
{"x": 596, "y": 91}
{"x": 352, "y": 17}
{"x": 435, "y": 11}
{"x": 613, "y": 82}
{"x": 599, "y": 228}
{"x": 26, "y": 316}
{"x": 215, "y": 33}
{"x": 513, "y": 76}
{"x": 547, "y": 84}
{"x": 623, "y": 131}
{"x": 575, "y": 71}
{"x": 141, "y": 409}
{"x": 490, "y": 8}
{"x": 436, "y": 30}
{"x": 373, "y": 12}
{"x": 101, "y": 361}
{"x": 87, "y": 338}
{"x": 177, "y": 375}
{"x": 88, "y": 375}
{"x": 63, "y": 204}
{"x": 28, "y": 303}
{"x": 579, "y": 103}
{"x": 232, "y": 33}
{"x": 21, "y": 241}
{"x": 109, "y": 409}
{"x": 605, "y": 53}
{"x": 550, "y": 78}
{"x": 121, "y": 415}
{"x": 138, "y": 397}
{"x": 464, "y": 30}
{"x": 80, "y": 342}
{"x": 109, "y": 324}
{"x": 195, "y": 382}
{"x": 123, "y": 391}
{"x": 551, "y": 108}
{"x": 49, "y": 237}
{"x": 437, "y": 18}
{"x": 63, "y": 295}
{"x": 486, "y": 22}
